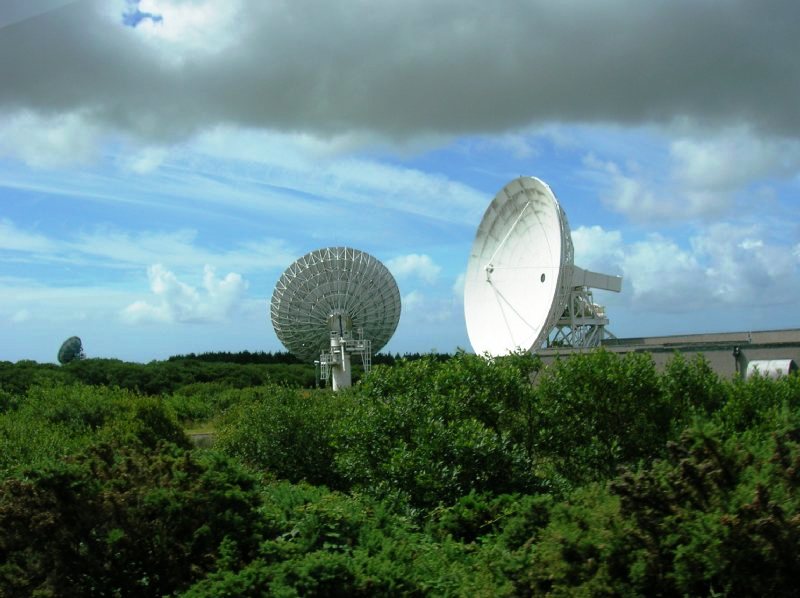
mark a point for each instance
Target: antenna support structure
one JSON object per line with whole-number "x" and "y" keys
{"x": 583, "y": 323}
{"x": 522, "y": 289}
{"x": 332, "y": 304}
{"x": 336, "y": 365}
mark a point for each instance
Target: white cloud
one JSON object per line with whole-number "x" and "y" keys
{"x": 413, "y": 301}
{"x": 316, "y": 167}
{"x": 23, "y": 315}
{"x": 662, "y": 276}
{"x": 416, "y": 265}
{"x": 620, "y": 192}
{"x": 14, "y": 239}
{"x": 731, "y": 159}
{"x": 14, "y": 12}
{"x": 458, "y": 286}
{"x": 703, "y": 174}
{"x": 145, "y": 160}
{"x": 597, "y": 249}
{"x": 180, "y": 29}
{"x": 751, "y": 244}
{"x": 721, "y": 265}
{"x": 744, "y": 266}
{"x": 52, "y": 141}
{"x": 176, "y": 301}
{"x": 117, "y": 249}
{"x": 52, "y": 304}
{"x": 421, "y": 310}
{"x": 642, "y": 199}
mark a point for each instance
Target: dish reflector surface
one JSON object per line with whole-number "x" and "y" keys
{"x": 519, "y": 271}
{"x": 334, "y": 281}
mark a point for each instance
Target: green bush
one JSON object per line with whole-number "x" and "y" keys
{"x": 330, "y": 544}
{"x": 154, "y": 378}
{"x": 55, "y": 421}
{"x": 17, "y": 378}
{"x": 597, "y": 411}
{"x": 461, "y": 477}
{"x": 720, "y": 515}
{"x": 287, "y": 432}
{"x": 582, "y": 551}
{"x": 204, "y": 401}
{"x": 435, "y": 431}
{"x": 692, "y": 389}
{"x": 755, "y": 403}
{"x": 512, "y": 519}
{"x": 117, "y": 520}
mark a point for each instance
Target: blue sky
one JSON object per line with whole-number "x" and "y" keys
{"x": 162, "y": 162}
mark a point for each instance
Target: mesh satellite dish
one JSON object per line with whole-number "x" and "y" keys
{"x": 333, "y": 302}
{"x": 522, "y": 289}
{"x": 71, "y": 349}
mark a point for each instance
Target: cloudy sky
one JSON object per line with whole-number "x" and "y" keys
{"x": 163, "y": 161}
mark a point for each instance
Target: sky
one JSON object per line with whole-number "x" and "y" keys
{"x": 163, "y": 161}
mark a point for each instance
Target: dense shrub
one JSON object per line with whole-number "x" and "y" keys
{"x": 692, "y": 389}
{"x": 582, "y": 551}
{"x": 720, "y": 515}
{"x": 755, "y": 403}
{"x": 435, "y": 431}
{"x": 203, "y": 401}
{"x": 512, "y": 518}
{"x": 16, "y": 378}
{"x": 329, "y": 544}
{"x": 154, "y": 378}
{"x": 455, "y": 476}
{"x": 117, "y": 520}
{"x": 596, "y": 411}
{"x": 284, "y": 431}
{"x": 55, "y": 421}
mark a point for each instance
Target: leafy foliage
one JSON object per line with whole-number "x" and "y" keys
{"x": 287, "y": 433}
{"x": 435, "y": 431}
{"x": 120, "y": 519}
{"x": 720, "y": 515}
{"x": 48, "y": 423}
{"x": 432, "y": 476}
{"x": 155, "y": 378}
{"x": 328, "y": 544}
{"x": 597, "y": 411}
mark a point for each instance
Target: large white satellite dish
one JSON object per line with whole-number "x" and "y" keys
{"x": 333, "y": 302}
{"x": 522, "y": 289}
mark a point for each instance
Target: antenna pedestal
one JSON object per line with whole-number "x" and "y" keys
{"x": 341, "y": 374}
{"x": 583, "y": 323}
{"x": 336, "y": 365}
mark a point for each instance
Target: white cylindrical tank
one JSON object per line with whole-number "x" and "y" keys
{"x": 771, "y": 368}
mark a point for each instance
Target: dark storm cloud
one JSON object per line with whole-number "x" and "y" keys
{"x": 401, "y": 69}
{"x": 14, "y": 11}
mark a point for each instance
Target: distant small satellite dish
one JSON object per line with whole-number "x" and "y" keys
{"x": 71, "y": 349}
{"x": 333, "y": 302}
{"x": 522, "y": 289}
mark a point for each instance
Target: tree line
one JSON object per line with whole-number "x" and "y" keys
{"x": 270, "y": 357}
